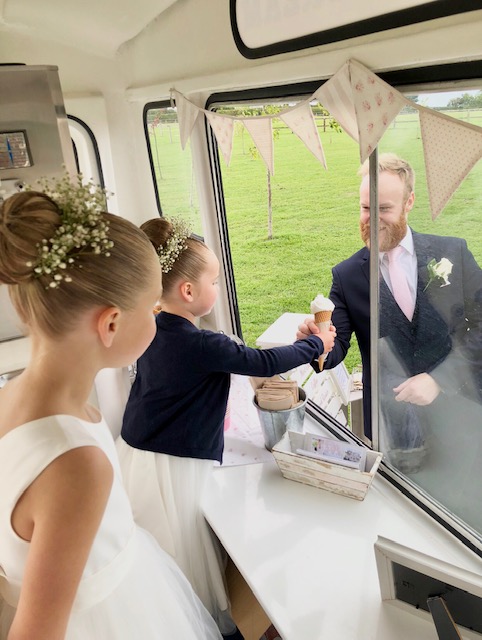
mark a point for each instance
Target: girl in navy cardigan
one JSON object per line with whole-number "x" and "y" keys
{"x": 173, "y": 427}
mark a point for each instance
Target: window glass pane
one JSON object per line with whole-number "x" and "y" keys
{"x": 287, "y": 230}
{"x": 430, "y": 367}
{"x": 286, "y": 233}
{"x": 174, "y": 175}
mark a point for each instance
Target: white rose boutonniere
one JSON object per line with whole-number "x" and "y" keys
{"x": 439, "y": 270}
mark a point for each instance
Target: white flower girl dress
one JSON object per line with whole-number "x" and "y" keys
{"x": 130, "y": 588}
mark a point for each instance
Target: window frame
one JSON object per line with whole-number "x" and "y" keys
{"x": 84, "y": 130}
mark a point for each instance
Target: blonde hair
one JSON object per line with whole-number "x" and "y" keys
{"x": 391, "y": 163}
{"x": 188, "y": 265}
{"x": 113, "y": 280}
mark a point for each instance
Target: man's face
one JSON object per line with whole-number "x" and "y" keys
{"x": 393, "y": 208}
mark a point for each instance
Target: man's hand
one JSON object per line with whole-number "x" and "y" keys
{"x": 420, "y": 389}
{"x": 307, "y": 328}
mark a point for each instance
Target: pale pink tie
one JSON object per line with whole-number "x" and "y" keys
{"x": 398, "y": 278}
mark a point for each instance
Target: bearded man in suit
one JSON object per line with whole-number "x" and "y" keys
{"x": 430, "y": 353}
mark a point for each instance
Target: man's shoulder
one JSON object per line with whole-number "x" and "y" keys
{"x": 429, "y": 239}
{"x": 439, "y": 244}
{"x": 353, "y": 261}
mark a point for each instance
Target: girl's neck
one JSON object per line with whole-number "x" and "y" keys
{"x": 178, "y": 310}
{"x": 57, "y": 381}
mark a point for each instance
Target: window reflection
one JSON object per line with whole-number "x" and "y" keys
{"x": 430, "y": 367}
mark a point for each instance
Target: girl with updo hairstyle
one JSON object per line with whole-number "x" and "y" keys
{"x": 186, "y": 267}
{"x": 173, "y": 426}
{"x": 30, "y": 217}
{"x": 73, "y": 564}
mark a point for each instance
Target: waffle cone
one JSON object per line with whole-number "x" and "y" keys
{"x": 323, "y": 316}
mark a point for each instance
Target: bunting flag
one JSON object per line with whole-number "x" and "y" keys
{"x": 336, "y": 97}
{"x": 450, "y": 152}
{"x": 364, "y": 106}
{"x": 376, "y": 105}
{"x": 260, "y": 130}
{"x": 301, "y": 122}
{"x": 223, "y": 129}
{"x": 187, "y": 112}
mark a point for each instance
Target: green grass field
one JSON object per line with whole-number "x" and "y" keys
{"x": 315, "y": 213}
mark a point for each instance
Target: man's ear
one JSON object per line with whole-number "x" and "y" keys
{"x": 409, "y": 203}
{"x": 186, "y": 291}
{"x": 108, "y": 322}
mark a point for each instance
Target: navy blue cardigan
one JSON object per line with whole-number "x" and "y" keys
{"x": 179, "y": 397}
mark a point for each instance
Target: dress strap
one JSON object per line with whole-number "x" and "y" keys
{"x": 28, "y": 449}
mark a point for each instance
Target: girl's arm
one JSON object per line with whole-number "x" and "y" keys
{"x": 59, "y": 514}
{"x": 223, "y": 354}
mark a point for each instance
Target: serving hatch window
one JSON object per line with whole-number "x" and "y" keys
{"x": 288, "y": 230}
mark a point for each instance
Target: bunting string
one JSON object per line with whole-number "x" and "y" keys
{"x": 364, "y": 106}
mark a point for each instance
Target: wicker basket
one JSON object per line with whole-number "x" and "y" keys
{"x": 324, "y": 475}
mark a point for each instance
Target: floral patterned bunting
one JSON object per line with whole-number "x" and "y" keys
{"x": 260, "y": 129}
{"x": 187, "y": 113}
{"x": 450, "y": 152}
{"x": 376, "y": 105}
{"x": 223, "y": 129}
{"x": 336, "y": 97}
{"x": 301, "y": 121}
{"x": 364, "y": 106}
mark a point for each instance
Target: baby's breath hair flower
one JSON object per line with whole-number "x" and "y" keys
{"x": 83, "y": 228}
{"x": 175, "y": 244}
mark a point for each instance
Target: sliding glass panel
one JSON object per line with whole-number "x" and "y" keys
{"x": 430, "y": 364}
{"x": 288, "y": 231}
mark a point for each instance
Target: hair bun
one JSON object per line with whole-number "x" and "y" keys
{"x": 158, "y": 231}
{"x": 25, "y": 220}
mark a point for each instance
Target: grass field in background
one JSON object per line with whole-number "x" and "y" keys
{"x": 315, "y": 213}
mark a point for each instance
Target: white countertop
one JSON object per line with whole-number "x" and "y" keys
{"x": 308, "y": 554}
{"x": 282, "y": 331}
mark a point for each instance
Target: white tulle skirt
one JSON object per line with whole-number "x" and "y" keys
{"x": 153, "y": 601}
{"x": 165, "y": 493}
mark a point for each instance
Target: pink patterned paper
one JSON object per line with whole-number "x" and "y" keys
{"x": 243, "y": 441}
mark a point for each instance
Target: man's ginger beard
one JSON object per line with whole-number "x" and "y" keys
{"x": 391, "y": 236}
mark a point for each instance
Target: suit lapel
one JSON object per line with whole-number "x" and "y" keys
{"x": 434, "y": 304}
{"x": 365, "y": 264}
{"x": 424, "y": 252}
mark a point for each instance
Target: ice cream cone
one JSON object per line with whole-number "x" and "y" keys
{"x": 321, "y": 317}
{"x": 322, "y": 308}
